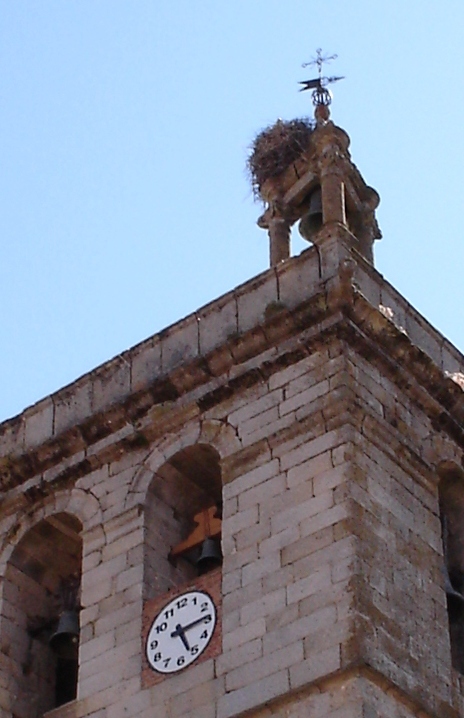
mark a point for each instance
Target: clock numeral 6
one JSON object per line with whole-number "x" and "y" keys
{"x": 181, "y": 660}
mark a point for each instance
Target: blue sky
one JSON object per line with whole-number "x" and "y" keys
{"x": 124, "y": 200}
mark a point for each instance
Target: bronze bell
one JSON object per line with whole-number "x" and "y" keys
{"x": 449, "y": 588}
{"x": 311, "y": 222}
{"x": 210, "y": 555}
{"x": 454, "y": 598}
{"x": 65, "y": 641}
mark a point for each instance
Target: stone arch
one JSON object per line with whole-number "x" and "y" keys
{"x": 188, "y": 482}
{"x": 438, "y": 448}
{"x": 82, "y": 504}
{"x": 41, "y": 580}
{"x": 220, "y": 435}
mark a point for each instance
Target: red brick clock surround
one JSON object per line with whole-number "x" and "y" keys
{"x": 212, "y": 584}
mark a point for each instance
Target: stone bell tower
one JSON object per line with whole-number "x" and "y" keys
{"x": 320, "y": 186}
{"x": 258, "y": 511}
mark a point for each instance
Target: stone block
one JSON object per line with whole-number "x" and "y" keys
{"x": 115, "y": 619}
{"x": 39, "y": 423}
{"x": 146, "y": 363}
{"x": 302, "y": 512}
{"x": 198, "y": 674}
{"x": 256, "y": 694}
{"x": 135, "y": 706}
{"x": 298, "y": 278}
{"x": 240, "y": 636}
{"x": 262, "y": 566}
{"x": 230, "y": 621}
{"x": 302, "y": 547}
{"x": 231, "y": 581}
{"x": 217, "y": 322}
{"x": 93, "y": 593}
{"x": 285, "y": 376}
{"x": 104, "y": 570}
{"x": 280, "y": 540}
{"x": 277, "y": 579}
{"x": 269, "y": 430}
{"x": 123, "y": 544}
{"x": 111, "y": 383}
{"x": 238, "y": 559}
{"x": 305, "y": 446}
{"x": 252, "y": 536}
{"x": 259, "y": 424}
{"x": 318, "y": 665}
{"x": 255, "y": 406}
{"x": 73, "y": 404}
{"x": 337, "y": 551}
{"x": 240, "y": 521}
{"x": 198, "y": 702}
{"x": 131, "y": 577}
{"x": 12, "y": 437}
{"x": 366, "y": 280}
{"x": 304, "y": 398}
{"x": 266, "y": 605}
{"x": 424, "y": 336}
{"x": 179, "y": 344}
{"x": 319, "y": 580}
{"x": 310, "y": 470}
{"x": 262, "y": 493}
{"x": 238, "y": 656}
{"x": 452, "y": 360}
{"x": 235, "y": 600}
{"x": 96, "y": 647}
{"x": 254, "y": 299}
{"x": 270, "y": 664}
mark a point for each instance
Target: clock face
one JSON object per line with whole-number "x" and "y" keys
{"x": 180, "y": 632}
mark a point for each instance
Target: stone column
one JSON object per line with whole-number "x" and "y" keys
{"x": 279, "y": 240}
{"x": 278, "y": 228}
{"x": 332, "y": 186}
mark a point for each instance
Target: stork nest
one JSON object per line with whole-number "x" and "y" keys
{"x": 275, "y": 148}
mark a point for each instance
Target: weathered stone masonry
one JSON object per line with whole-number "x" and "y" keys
{"x": 327, "y": 405}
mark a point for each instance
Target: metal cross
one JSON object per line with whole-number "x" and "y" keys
{"x": 319, "y": 61}
{"x": 320, "y": 94}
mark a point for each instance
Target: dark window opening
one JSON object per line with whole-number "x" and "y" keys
{"x": 66, "y": 681}
{"x": 451, "y": 494}
{"x": 182, "y": 491}
{"x": 34, "y": 607}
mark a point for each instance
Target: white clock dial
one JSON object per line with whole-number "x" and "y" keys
{"x": 181, "y": 631}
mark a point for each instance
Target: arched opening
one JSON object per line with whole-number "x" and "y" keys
{"x": 451, "y": 497}
{"x": 41, "y": 588}
{"x": 189, "y": 483}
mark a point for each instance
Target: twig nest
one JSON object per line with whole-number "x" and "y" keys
{"x": 276, "y": 148}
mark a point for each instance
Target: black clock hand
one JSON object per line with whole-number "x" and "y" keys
{"x": 180, "y": 632}
{"x": 195, "y": 623}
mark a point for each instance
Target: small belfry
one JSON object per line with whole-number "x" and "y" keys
{"x": 302, "y": 170}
